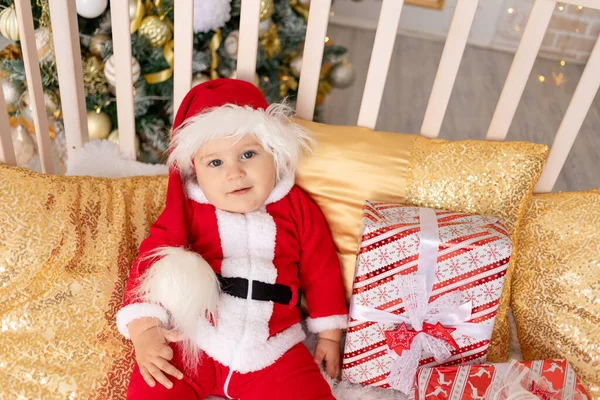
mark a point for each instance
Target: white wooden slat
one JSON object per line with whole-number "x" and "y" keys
{"x": 584, "y": 3}
{"x": 34, "y": 84}
{"x": 387, "y": 30}
{"x": 312, "y": 58}
{"x": 7, "y": 151}
{"x": 448, "y": 68}
{"x": 119, "y": 13}
{"x": 520, "y": 69}
{"x": 571, "y": 124}
{"x": 184, "y": 43}
{"x": 248, "y": 43}
{"x": 65, "y": 33}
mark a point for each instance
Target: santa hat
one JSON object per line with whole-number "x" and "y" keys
{"x": 233, "y": 108}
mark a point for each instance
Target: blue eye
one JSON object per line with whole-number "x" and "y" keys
{"x": 248, "y": 154}
{"x": 215, "y": 163}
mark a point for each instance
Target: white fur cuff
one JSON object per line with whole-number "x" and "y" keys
{"x": 317, "y": 325}
{"x": 135, "y": 311}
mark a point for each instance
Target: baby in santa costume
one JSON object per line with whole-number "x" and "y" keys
{"x": 212, "y": 302}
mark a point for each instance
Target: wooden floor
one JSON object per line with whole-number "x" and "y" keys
{"x": 479, "y": 83}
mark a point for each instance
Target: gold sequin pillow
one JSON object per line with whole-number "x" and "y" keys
{"x": 353, "y": 164}
{"x": 556, "y": 282}
{"x": 66, "y": 248}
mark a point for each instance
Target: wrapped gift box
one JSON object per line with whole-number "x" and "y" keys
{"x": 547, "y": 379}
{"x": 422, "y": 270}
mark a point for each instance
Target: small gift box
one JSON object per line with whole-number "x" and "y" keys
{"x": 425, "y": 292}
{"x": 540, "y": 379}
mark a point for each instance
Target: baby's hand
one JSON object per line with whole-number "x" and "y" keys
{"x": 152, "y": 351}
{"x": 329, "y": 350}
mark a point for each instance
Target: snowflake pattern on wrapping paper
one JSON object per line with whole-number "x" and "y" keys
{"x": 467, "y": 340}
{"x": 469, "y": 296}
{"x": 347, "y": 376}
{"x": 383, "y": 257}
{"x": 364, "y": 337}
{"x": 471, "y": 228}
{"x": 382, "y": 294}
{"x": 493, "y": 253}
{"x": 473, "y": 259}
{"x": 380, "y": 365}
{"x": 365, "y": 264}
{"x": 365, "y": 299}
{"x": 455, "y": 231}
{"x": 489, "y": 292}
{"x": 402, "y": 249}
{"x": 455, "y": 267}
{"x": 349, "y": 345}
{"x": 364, "y": 371}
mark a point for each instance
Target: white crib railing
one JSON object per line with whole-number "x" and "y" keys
{"x": 66, "y": 43}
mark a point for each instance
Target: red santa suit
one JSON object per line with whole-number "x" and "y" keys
{"x": 285, "y": 244}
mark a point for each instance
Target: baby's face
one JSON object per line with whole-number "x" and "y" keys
{"x": 235, "y": 177}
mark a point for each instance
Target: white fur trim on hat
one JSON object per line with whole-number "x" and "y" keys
{"x": 273, "y": 128}
{"x": 320, "y": 324}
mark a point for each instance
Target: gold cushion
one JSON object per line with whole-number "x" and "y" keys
{"x": 66, "y": 248}
{"x": 556, "y": 282}
{"x": 353, "y": 164}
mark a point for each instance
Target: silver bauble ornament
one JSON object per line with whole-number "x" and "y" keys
{"x": 231, "y": 44}
{"x": 44, "y": 44}
{"x": 24, "y": 145}
{"x": 90, "y": 8}
{"x": 342, "y": 75}
{"x": 296, "y": 65}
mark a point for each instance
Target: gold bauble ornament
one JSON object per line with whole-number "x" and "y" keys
{"x": 270, "y": 42}
{"x": 342, "y": 75}
{"x": 136, "y": 14}
{"x": 44, "y": 44}
{"x": 9, "y": 27}
{"x": 267, "y": 8}
{"x": 11, "y": 52}
{"x": 97, "y": 44}
{"x": 12, "y": 93}
{"x": 199, "y": 78}
{"x": 94, "y": 81}
{"x": 155, "y": 30}
{"x": 99, "y": 124}
{"x": 114, "y": 137}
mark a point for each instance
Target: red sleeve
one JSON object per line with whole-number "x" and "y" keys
{"x": 320, "y": 270}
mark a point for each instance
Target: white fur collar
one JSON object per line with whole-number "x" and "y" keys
{"x": 282, "y": 188}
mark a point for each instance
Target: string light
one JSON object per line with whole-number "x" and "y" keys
{"x": 511, "y": 10}
{"x": 579, "y": 8}
{"x": 326, "y": 39}
{"x": 541, "y": 78}
{"x": 563, "y": 62}
{"x": 517, "y": 28}
{"x": 561, "y": 8}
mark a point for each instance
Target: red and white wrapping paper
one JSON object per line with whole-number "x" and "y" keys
{"x": 540, "y": 379}
{"x": 426, "y": 290}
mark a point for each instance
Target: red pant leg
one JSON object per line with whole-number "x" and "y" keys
{"x": 294, "y": 376}
{"x": 190, "y": 387}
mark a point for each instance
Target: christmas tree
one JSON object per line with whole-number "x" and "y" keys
{"x": 216, "y": 24}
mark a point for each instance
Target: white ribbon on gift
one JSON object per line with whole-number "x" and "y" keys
{"x": 415, "y": 291}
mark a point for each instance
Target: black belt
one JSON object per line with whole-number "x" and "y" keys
{"x": 275, "y": 292}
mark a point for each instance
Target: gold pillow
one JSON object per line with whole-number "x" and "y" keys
{"x": 66, "y": 248}
{"x": 556, "y": 282}
{"x": 352, "y": 164}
